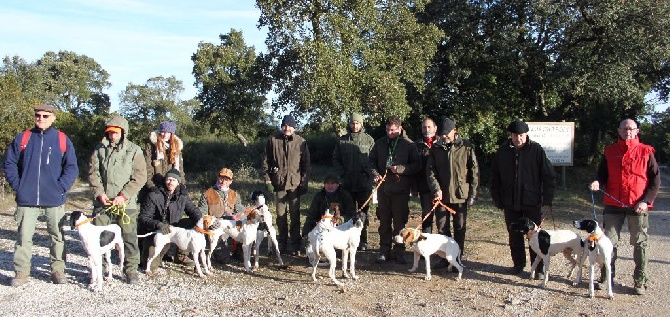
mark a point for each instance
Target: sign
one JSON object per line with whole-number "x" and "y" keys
{"x": 557, "y": 140}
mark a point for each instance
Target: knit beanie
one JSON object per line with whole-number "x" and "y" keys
{"x": 289, "y": 121}
{"x": 167, "y": 126}
{"x": 174, "y": 174}
{"x": 446, "y": 125}
{"x": 356, "y": 117}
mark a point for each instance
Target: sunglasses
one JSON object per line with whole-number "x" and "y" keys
{"x": 43, "y": 116}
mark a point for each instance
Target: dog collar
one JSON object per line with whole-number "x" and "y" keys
{"x": 595, "y": 237}
{"x": 83, "y": 222}
{"x": 531, "y": 233}
{"x": 203, "y": 231}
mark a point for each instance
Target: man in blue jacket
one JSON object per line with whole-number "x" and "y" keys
{"x": 41, "y": 166}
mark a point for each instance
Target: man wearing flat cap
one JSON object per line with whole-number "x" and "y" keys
{"x": 286, "y": 164}
{"x": 522, "y": 181}
{"x": 332, "y": 197}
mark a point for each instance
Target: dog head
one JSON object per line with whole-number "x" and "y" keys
{"x": 257, "y": 197}
{"x": 522, "y": 225}
{"x": 252, "y": 215}
{"x": 359, "y": 219}
{"x": 76, "y": 217}
{"x": 588, "y": 225}
{"x": 207, "y": 221}
{"x": 408, "y": 236}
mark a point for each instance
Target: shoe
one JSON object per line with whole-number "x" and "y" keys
{"x": 381, "y": 258}
{"x": 58, "y": 278}
{"x": 440, "y": 264}
{"x": 515, "y": 270}
{"x": 132, "y": 278}
{"x": 19, "y": 279}
{"x": 363, "y": 246}
{"x": 640, "y": 289}
{"x": 539, "y": 276}
{"x": 184, "y": 260}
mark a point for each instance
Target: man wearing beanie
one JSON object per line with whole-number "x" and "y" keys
{"x": 286, "y": 164}
{"x": 522, "y": 181}
{"x": 350, "y": 158}
{"x": 164, "y": 207}
{"x": 325, "y": 199}
{"x": 423, "y": 145}
{"x": 453, "y": 177}
{"x": 117, "y": 173}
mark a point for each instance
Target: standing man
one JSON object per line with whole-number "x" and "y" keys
{"x": 453, "y": 175}
{"x": 423, "y": 145}
{"x": 631, "y": 177}
{"x": 396, "y": 157}
{"x": 117, "y": 173}
{"x": 351, "y": 157}
{"x": 40, "y": 166}
{"x": 286, "y": 164}
{"x": 522, "y": 181}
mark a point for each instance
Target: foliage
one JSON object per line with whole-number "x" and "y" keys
{"x": 16, "y": 111}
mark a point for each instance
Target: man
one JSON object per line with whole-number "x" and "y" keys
{"x": 219, "y": 200}
{"x": 423, "y": 145}
{"x": 117, "y": 173}
{"x": 350, "y": 157}
{"x": 631, "y": 180}
{"x": 163, "y": 207}
{"x": 522, "y": 181}
{"x": 286, "y": 164}
{"x": 394, "y": 156}
{"x": 453, "y": 177}
{"x": 40, "y": 166}
{"x": 331, "y": 194}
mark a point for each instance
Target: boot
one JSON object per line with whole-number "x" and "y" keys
{"x": 183, "y": 259}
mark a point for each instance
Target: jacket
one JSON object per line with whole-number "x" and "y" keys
{"x": 350, "y": 158}
{"x": 630, "y": 173}
{"x": 453, "y": 168}
{"x": 421, "y": 182}
{"x": 321, "y": 202}
{"x": 286, "y": 162}
{"x": 400, "y": 152}
{"x": 40, "y": 175}
{"x": 117, "y": 170}
{"x": 159, "y": 207}
{"x": 218, "y": 203}
{"x": 522, "y": 179}
{"x": 156, "y": 168}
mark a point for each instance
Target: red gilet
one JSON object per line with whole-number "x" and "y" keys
{"x": 627, "y": 162}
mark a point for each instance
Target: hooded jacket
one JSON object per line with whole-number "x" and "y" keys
{"x": 156, "y": 168}
{"x": 453, "y": 168}
{"x": 351, "y": 157}
{"x": 286, "y": 162}
{"x": 160, "y": 207}
{"x": 117, "y": 169}
{"x": 403, "y": 154}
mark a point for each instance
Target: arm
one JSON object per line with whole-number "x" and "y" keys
{"x": 94, "y": 176}
{"x": 149, "y": 166}
{"x": 267, "y": 161}
{"x": 12, "y": 163}
{"x": 202, "y": 204}
{"x": 305, "y": 164}
{"x": 431, "y": 174}
{"x": 413, "y": 163}
{"x": 70, "y": 170}
{"x": 473, "y": 174}
{"x": 138, "y": 177}
{"x": 191, "y": 210}
{"x": 653, "y": 179}
{"x": 147, "y": 211}
{"x": 548, "y": 179}
{"x": 337, "y": 159}
{"x": 347, "y": 207}
{"x": 495, "y": 180}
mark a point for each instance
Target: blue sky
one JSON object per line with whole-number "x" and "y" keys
{"x": 133, "y": 40}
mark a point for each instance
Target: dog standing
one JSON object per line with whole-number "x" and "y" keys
{"x": 599, "y": 248}
{"x": 426, "y": 244}
{"x": 547, "y": 243}
{"x": 244, "y": 232}
{"x": 98, "y": 241}
{"x": 320, "y": 243}
{"x": 265, "y": 228}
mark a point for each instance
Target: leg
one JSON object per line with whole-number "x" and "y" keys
{"x": 359, "y": 199}
{"x": 272, "y": 237}
{"x": 442, "y": 221}
{"x": 534, "y": 215}
{"x": 426, "y": 199}
{"x": 108, "y": 260}
{"x": 400, "y": 214}
{"x": 293, "y": 200}
{"x": 26, "y": 218}
{"x": 638, "y": 226}
{"x": 385, "y": 230}
{"x": 345, "y": 261}
{"x": 131, "y": 249}
{"x": 352, "y": 267}
{"x": 613, "y": 219}
{"x": 282, "y": 219}
{"x": 460, "y": 219}
{"x": 516, "y": 241}
{"x": 55, "y": 222}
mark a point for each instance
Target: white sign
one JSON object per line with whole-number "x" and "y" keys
{"x": 557, "y": 140}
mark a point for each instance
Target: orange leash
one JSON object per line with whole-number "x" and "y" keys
{"x": 373, "y": 192}
{"x": 436, "y": 203}
{"x": 246, "y": 212}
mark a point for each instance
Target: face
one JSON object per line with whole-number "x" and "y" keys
{"x": 355, "y": 126}
{"x": 171, "y": 183}
{"x": 393, "y": 131}
{"x": 628, "y": 129}
{"x": 224, "y": 182}
{"x": 113, "y": 136}
{"x": 519, "y": 139}
{"x": 331, "y": 187}
{"x": 43, "y": 119}
{"x": 287, "y": 130}
{"x": 428, "y": 128}
{"x": 448, "y": 138}
{"x": 165, "y": 136}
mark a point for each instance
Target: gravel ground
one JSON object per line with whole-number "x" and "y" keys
{"x": 382, "y": 290}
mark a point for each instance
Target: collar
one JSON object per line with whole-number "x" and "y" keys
{"x": 203, "y": 231}
{"x": 83, "y": 222}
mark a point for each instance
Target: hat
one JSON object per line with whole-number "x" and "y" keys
{"x": 356, "y": 117}
{"x": 446, "y": 125}
{"x": 288, "y": 120}
{"x": 44, "y": 107}
{"x": 113, "y": 129}
{"x": 226, "y": 173}
{"x": 518, "y": 127}
{"x": 174, "y": 173}
{"x": 167, "y": 126}
{"x": 331, "y": 178}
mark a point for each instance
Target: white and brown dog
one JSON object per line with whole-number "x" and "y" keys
{"x": 98, "y": 241}
{"x": 547, "y": 243}
{"x": 265, "y": 228}
{"x": 599, "y": 248}
{"x": 242, "y": 231}
{"x": 426, "y": 244}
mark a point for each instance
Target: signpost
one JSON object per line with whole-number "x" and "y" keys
{"x": 557, "y": 140}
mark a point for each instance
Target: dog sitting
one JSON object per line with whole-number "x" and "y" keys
{"x": 599, "y": 248}
{"x": 426, "y": 244}
{"x": 547, "y": 243}
{"x": 265, "y": 228}
{"x": 98, "y": 241}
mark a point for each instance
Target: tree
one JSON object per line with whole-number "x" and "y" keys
{"x": 16, "y": 110}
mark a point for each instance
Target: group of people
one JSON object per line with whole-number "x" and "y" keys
{"x": 142, "y": 189}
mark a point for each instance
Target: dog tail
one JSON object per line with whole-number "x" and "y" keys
{"x": 146, "y": 235}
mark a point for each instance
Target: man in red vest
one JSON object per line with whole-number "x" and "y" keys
{"x": 631, "y": 180}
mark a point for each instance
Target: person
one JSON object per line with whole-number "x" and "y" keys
{"x": 286, "y": 165}
{"x": 165, "y": 206}
{"x": 423, "y": 145}
{"x": 453, "y": 176}
{"x": 395, "y": 159}
{"x": 629, "y": 175}
{"x": 350, "y": 158}
{"x": 522, "y": 181}
{"x": 162, "y": 153}
{"x": 332, "y": 193}
{"x": 40, "y": 166}
{"x": 117, "y": 172}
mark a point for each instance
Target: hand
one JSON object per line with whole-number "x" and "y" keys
{"x": 595, "y": 186}
{"x": 377, "y": 178}
{"x": 164, "y": 228}
{"x": 302, "y": 190}
{"x": 118, "y": 200}
{"x": 471, "y": 201}
{"x": 438, "y": 195}
{"x": 270, "y": 188}
{"x": 103, "y": 198}
{"x": 641, "y": 207}
{"x": 393, "y": 169}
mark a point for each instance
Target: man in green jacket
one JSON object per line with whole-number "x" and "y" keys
{"x": 453, "y": 176}
{"x": 117, "y": 173}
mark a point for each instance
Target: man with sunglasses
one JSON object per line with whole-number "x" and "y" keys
{"x": 40, "y": 173}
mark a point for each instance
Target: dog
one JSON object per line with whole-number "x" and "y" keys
{"x": 547, "y": 243}
{"x": 265, "y": 228}
{"x": 245, "y": 232}
{"x": 599, "y": 248}
{"x": 98, "y": 241}
{"x": 192, "y": 240}
{"x": 426, "y": 244}
{"x": 320, "y": 242}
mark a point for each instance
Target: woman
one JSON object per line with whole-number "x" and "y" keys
{"x": 163, "y": 153}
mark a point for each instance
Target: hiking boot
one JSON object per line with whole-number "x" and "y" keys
{"x": 184, "y": 260}
{"x": 58, "y": 278}
{"x": 381, "y": 258}
{"x": 19, "y": 279}
{"x": 400, "y": 258}
{"x": 640, "y": 289}
{"x": 515, "y": 270}
{"x": 132, "y": 278}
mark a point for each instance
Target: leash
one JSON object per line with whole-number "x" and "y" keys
{"x": 373, "y": 192}
{"x": 120, "y": 211}
{"x": 436, "y": 203}
{"x": 593, "y": 203}
{"x": 76, "y": 225}
{"x": 616, "y": 200}
{"x": 246, "y": 212}
{"x": 551, "y": 211}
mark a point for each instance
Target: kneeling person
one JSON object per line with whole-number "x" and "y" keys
{"x": 332, "y": 196}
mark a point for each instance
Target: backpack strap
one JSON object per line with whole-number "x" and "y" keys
{"x": 62, "y": 142}
{"x": 24, "y": 139}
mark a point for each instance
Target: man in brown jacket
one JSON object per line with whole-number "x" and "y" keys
{"x": 396, "y": 157}
{"x": 286, "y": 164}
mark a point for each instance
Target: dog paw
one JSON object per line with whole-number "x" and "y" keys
{"x": 355, "y": 277}
{"x": 428, "y": 277}
{"x": 412, "y": 270}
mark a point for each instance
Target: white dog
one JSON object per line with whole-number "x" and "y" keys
{"x": 425, "y": 244}
{"x": 547, "y": 243}
{"x": 265, "y": 228}
{"x": 599, "y": 248}
{"x": 244, "y": 232}
{"x": 98, "y": 241}
{"x": 320, "y": 243}
{"x": 192, "y": 240}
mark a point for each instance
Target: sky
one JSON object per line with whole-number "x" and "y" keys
{"x": 133, "y": 40}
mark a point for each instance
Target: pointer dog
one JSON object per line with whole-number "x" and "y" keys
{"x": 425, "y": 244}
{"x": 599, "y": 248}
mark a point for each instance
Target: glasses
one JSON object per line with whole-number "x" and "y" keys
{"x": 43, "y": 116}
{"x": 628, "y": 129}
